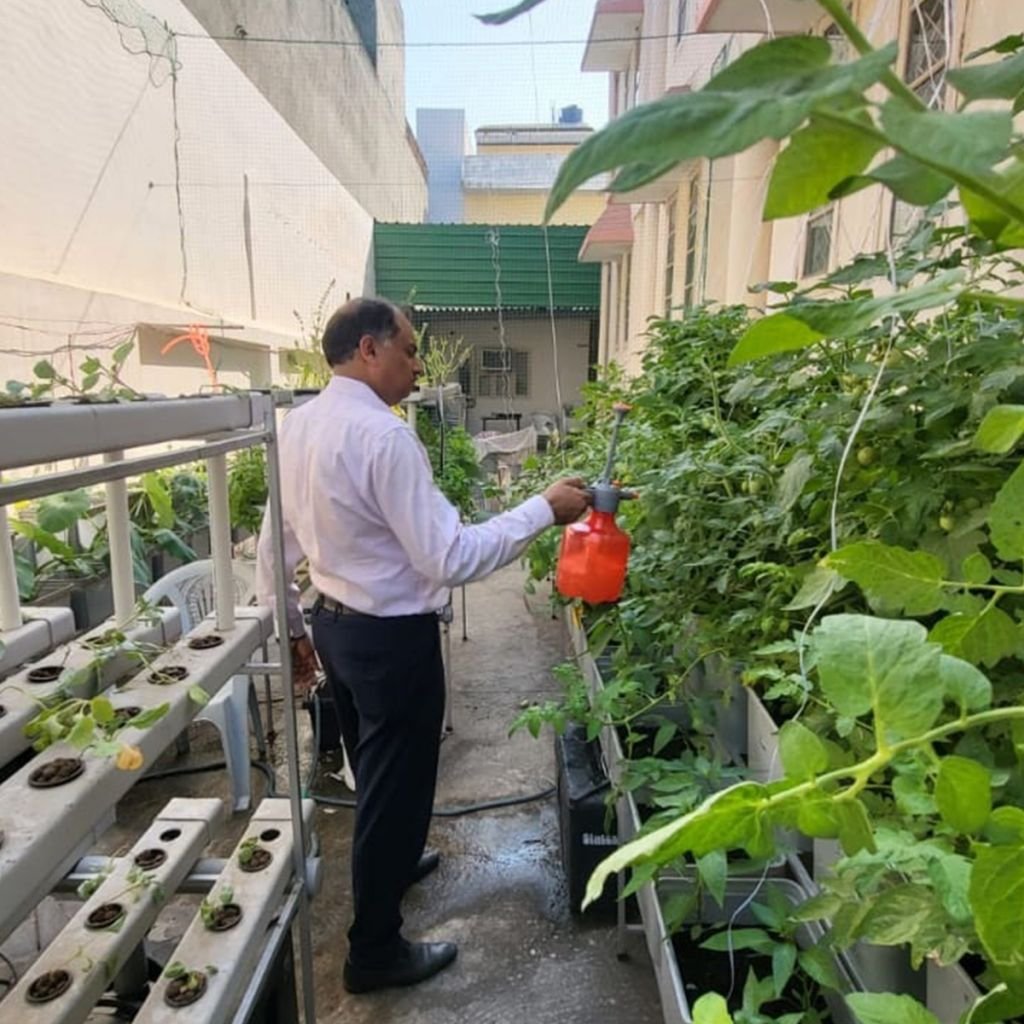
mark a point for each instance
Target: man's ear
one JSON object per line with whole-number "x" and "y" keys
{"x": 368, "y": 347}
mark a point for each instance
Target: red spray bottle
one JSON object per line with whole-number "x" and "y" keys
{"x": 592, "y": 562}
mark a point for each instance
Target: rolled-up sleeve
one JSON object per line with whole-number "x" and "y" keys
{"x": 427, "y": 525}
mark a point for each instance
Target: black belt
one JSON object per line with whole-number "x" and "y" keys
{"x": 328, "y": 604}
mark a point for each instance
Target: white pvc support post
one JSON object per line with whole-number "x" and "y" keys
{"x": 122, "y": 575}
{"x": 10, "y": 607}
{"x": 276, "y": 524}
{"x": 220, "y": 541}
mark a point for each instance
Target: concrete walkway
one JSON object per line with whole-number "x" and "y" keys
{"x": 499, "y": 892}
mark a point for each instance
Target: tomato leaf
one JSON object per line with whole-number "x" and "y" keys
{"x": 886, "y": 1008}
{"x": 893, "y": 578}
{"x": 963, "y": 792}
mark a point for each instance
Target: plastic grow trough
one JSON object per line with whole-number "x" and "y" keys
{"x": 38, "y": 851}
{"x": 234, "y": 953}
{"x": 38, "y": 436}
{"x": 92, "y": 956}
{"x": 42, "y": 629}
{"x": 18, "y": 695}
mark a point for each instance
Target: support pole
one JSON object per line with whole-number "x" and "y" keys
{"x": 220, "y": 541}
{"x": 465, "y": 635}
{"x": 122, "y": 577}
{"x": 10, "y": 607}
{"x": 290, "y": 724}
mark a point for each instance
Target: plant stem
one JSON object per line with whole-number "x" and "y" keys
{"x": 839, "y": 14}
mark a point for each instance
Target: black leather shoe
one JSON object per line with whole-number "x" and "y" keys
{"x": 417, "y": 962}
{"x": 425, "y": 865}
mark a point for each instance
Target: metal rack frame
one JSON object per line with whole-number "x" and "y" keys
{"x": 33, "y": 436}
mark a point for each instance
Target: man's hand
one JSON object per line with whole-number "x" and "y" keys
{"x": 568, "y": 499}
{"x": 304, "y": 667}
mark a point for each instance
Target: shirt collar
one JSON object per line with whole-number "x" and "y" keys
{"x": 354, "y": 390}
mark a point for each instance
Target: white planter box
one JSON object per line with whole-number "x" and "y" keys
{"x": 950, "y": 991}
{"x": 672, "y": 975}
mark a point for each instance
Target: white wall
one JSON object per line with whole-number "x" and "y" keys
{"x": 533, "y": 335}
{"x": 88, "y": 194}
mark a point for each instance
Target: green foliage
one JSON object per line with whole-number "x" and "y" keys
{"x": 247, "y": 488}
{"x": 212, "y": 904}
{"x": 456, "y": 471}
{"x": 95, "y": 380}
{"x": 307, "y": 367}
{"x": 442, "y": 357}
{"x": 855, "y": 450}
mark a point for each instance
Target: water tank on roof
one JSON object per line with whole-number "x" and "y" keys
{"x": 571, "y": 115}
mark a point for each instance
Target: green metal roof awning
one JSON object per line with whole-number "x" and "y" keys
{"x": 452, "y": 266}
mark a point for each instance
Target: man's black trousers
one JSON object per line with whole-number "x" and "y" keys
{"x": 387, "y": 679}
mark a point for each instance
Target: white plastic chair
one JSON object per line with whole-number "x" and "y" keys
{"x": 189, "y": 588}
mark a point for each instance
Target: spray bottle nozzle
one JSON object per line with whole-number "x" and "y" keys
{"x": 620, "y": 409}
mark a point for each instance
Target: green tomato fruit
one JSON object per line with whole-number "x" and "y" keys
{"x": 866, "y": 455}
{"x": 947, "y": 522}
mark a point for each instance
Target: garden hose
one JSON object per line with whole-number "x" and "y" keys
{"x": 438, "y": 812}
{"x": 337, "y": 801}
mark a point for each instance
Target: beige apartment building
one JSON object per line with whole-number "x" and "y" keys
{"x": 508, "y": 179}
{"x": 696, "y": 235}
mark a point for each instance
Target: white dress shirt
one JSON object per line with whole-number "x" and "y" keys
{"x": 360, "y": 503}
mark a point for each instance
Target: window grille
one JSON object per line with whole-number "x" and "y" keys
{"x": 818, "y": 247}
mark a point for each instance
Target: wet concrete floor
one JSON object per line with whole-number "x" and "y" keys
{"x": 499, "y": 892}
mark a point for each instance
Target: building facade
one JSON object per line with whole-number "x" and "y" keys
{"x": 442, "y": 137}
{"x": 517, "y": 297}
{"x": 193, "y": 163}
{"x": 696, "y": 235}
{"x": 508, "y": 180}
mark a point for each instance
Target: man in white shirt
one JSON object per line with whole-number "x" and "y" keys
{"x": 385, "y": 548}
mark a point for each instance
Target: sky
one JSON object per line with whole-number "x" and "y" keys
{"x": 508, "y": 80}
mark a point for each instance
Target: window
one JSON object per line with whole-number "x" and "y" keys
{"x": 692, "y": 223}
{"x": 818, "y": 249}
{"x": 682, "y": 19}
{"x": 670, "y": 253}
{"x": 503, "y": 373}
{"x": 842, "y": 52}
{"x": 925, "y": 72}
{"x": 928, "y": 52}
{"x": 465, "y": 378}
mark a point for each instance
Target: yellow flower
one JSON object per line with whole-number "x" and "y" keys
{"x": 129, "y": 758}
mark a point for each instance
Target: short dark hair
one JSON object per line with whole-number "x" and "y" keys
{"x": 353, "y": 320}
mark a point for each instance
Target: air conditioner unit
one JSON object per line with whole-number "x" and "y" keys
{"x": 495, "y": 360}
